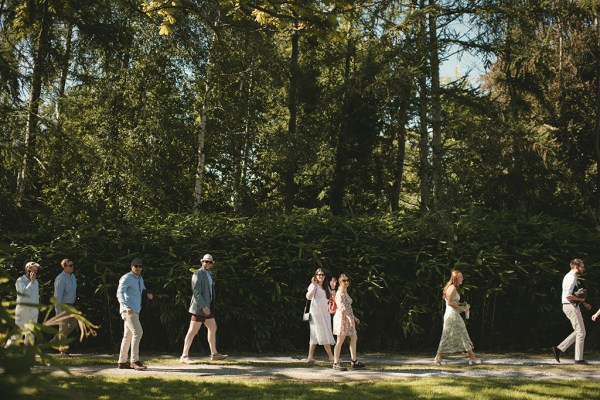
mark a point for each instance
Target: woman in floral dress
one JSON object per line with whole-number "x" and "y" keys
{"x": 344, "y": 324}
{"x": 318, "y": 293}
{"x": 455, "y": 337}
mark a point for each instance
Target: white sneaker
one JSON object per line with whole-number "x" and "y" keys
{"x": 186, "y": 361}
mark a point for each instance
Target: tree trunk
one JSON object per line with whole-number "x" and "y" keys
{"x": 25, "y": 174}
{"x": 436, "y": 107}
{"x": 338, "y": 184}
{"x": 241, "y": 154}
{"x": 64, "y": 72}
{"x": 400, "y": 155}
{"x": 516, "y": 179}
{"x": 203, "y": 116}
{"x": 424, "y": 167}
{"x": 58, "y": 151}
{"x": 290, "y": 167}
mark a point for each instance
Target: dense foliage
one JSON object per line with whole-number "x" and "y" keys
{"x": 398, "y": 265}
{"x": 282, "y": 135}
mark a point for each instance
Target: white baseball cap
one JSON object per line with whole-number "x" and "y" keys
{"x": 207, "y": 257}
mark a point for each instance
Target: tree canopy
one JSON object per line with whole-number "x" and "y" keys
{"x": 123, "y": 120}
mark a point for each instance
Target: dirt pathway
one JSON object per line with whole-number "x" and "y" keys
{"x": 378, "y": 369}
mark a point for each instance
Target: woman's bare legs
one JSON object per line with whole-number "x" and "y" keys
{"x": 338, "y": 348}
{"x": 311, "y": 352}
{"x": 329, "y": 353}
{"x": 472, "y": 356}
{"x": 353, "y": 340}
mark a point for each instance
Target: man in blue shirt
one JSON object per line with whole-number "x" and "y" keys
{"x": 129, "y": 293}
{"x": 65, "y": 291}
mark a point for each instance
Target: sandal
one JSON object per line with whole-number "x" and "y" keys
{"x": 338, "y": 367}
{"x": 357, "y": 364}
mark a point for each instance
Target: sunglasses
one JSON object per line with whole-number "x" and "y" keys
{"x": 137, "y": 266}
{"x": 207, "y": 261}
{"x": 320, "y": 274}
{"x": 345, "y": 280}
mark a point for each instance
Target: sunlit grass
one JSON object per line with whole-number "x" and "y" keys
{"x": 384, "y": 364}
{"x": 81, "y": 387}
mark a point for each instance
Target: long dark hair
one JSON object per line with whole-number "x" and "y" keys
{"x": 325, "y": 285}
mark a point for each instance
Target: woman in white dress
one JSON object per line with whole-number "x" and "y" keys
{"x": 320, "y": 323}
{"x": 455, "y": 337}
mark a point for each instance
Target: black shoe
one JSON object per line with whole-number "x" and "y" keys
{"x": 357, "y": 365}
{"x": 124, "y": 366}
{"x": 557, "y": 352}
{"x": 581, "y": 362}
{"x": 65, "y": 353}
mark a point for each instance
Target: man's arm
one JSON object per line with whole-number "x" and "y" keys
{"x": 59, "y": 292}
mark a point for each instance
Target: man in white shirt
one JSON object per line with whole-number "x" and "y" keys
{"x": 570, "y": 305}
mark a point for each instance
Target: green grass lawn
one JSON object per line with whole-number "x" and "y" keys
{"x": 81, "y": 387}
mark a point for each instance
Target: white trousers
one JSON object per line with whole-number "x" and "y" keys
{"x": 23, "y": 316}
{"x": 132, "y": 336}
{"x": 578, "y": 335}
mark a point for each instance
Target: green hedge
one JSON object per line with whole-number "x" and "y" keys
{"x": 513, "y": 268}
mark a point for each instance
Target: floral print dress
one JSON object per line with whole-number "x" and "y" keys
{"x": 455, "y": 337}
{"x": 343, "y": 315}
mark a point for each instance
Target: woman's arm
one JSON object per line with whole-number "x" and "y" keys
{"x": 450, "y": 295}
{"x": 312, "y": 289}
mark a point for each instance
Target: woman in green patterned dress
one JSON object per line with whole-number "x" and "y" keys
{"x": 455, "y": 337}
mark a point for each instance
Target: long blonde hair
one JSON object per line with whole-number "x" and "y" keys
{"x": 452, "y": 281}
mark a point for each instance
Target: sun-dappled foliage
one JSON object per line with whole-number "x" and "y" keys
{"x": 513, "y": 268}
{"x": 284, "y": 135}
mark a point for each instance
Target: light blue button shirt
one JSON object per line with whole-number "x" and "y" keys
{"x": 65, "y": 290}
{"x": 129, "y": 292}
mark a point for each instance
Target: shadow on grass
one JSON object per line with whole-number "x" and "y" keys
{"x": 81, "y": 387}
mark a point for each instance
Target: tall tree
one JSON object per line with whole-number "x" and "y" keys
{"x": 26, "y": 176}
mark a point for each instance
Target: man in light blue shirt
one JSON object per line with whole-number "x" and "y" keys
{"x": 65, "y": 291}
{"x": 129, "y": 293}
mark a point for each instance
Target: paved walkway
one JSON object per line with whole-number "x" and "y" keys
{"x": 378, "y": 369}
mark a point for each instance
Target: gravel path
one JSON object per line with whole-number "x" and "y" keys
{"x": 378, "y": 369}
